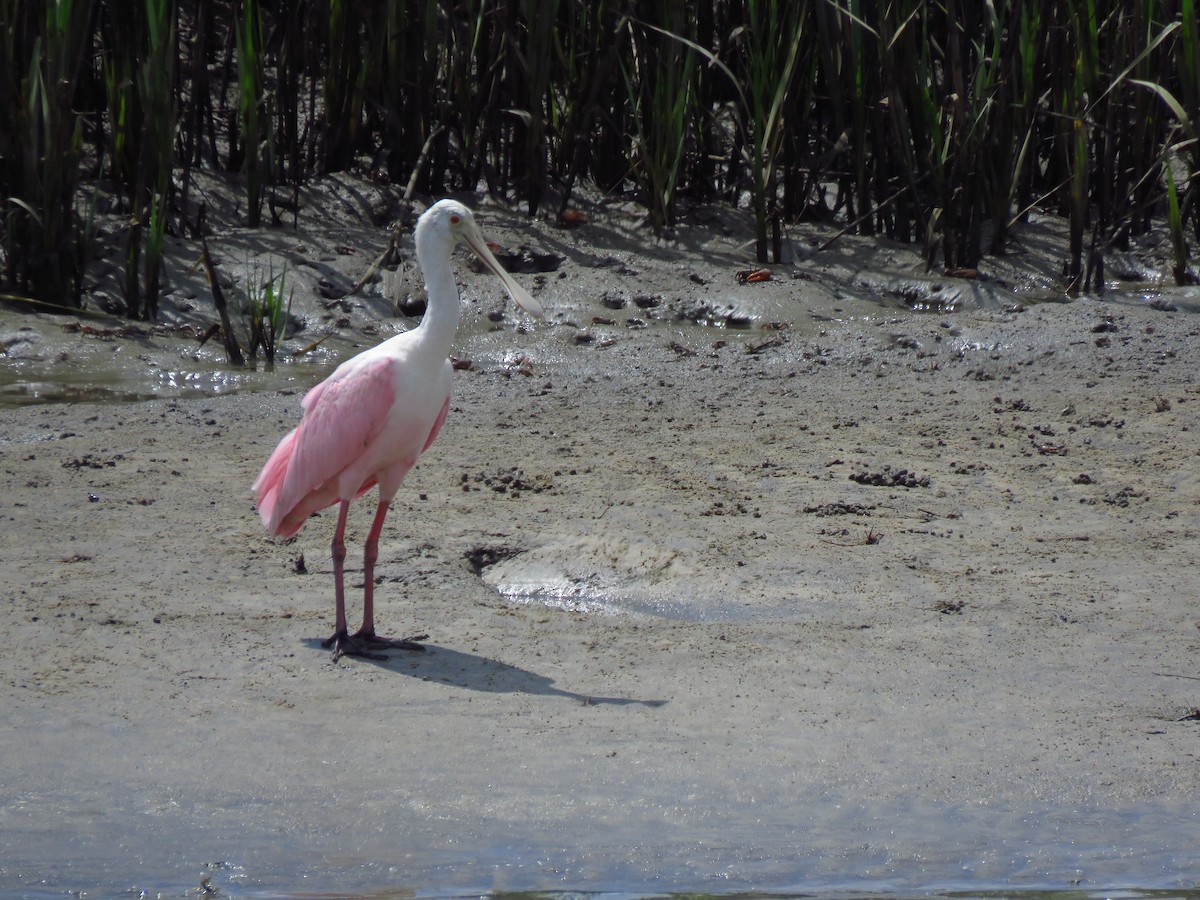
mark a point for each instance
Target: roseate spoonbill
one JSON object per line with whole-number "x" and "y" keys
{"x": 367, "y": 423}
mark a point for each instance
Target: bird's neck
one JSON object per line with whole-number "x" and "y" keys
{"x": 443, "y": 308}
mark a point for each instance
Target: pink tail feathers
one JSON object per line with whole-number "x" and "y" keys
{"x": 267, "y": 486}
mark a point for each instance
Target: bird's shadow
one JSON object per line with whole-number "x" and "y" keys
{"x": 478, "y": 673}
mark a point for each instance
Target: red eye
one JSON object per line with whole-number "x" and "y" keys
{"x": 454, "y": 220}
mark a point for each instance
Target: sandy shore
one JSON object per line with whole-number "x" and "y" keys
{"x": 884, "y": 600}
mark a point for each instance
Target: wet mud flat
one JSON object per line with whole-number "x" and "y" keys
{"x": 850, "y": 578}
{"x": 900, "y": 602}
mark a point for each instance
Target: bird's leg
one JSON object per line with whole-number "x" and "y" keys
{"x": 337, "y": 549}
{"x": 370, "y": 554}
{"x": 366, "y": 635}
{"x": 340, "y": 641}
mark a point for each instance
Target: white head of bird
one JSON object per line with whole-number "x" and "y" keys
{"x": 443, "y": 226}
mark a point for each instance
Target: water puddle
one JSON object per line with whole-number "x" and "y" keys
{"x": 601, "y": 574}
{"x": 72, "y": 369}
{"x": 618, "y": 573}
{"x": 572, "y": 597}
{"x": 119, "y": 387}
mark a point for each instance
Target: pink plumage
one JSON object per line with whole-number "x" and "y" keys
{"x": 266, "y": 487}
{"x": 344, "y": 417}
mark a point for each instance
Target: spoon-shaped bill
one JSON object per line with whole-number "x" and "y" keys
{"x": 474, "y": 240}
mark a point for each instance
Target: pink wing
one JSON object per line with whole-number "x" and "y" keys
{"x": 342, "y": 416}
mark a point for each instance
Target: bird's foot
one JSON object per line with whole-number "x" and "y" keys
{"x": 364, "y": 641}
{"x": 344, "y": 644}
{"x": 375, "y": 642}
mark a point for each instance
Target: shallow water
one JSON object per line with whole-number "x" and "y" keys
{"x": 842, "y": 849}
{"x": 45, "y": 365}
{"x": 121, "y": 372}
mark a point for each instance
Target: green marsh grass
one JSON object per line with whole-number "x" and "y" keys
{"x": 44, "y": 237}
{"x": 342, "y": 95}
{"x": 944, "y": 124}
{"x": 254, "y": 109}
{"x": 1179, "y": 248}
{"x": 771, "y": 39}
{"x": 265, "y": 311}
{"x": 156, "y": 86}
{"x": 659, "y": 85}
